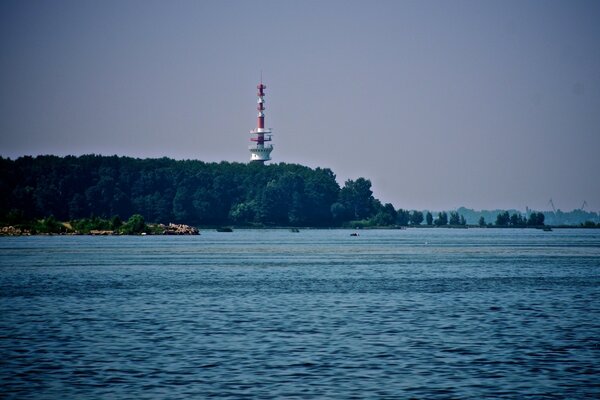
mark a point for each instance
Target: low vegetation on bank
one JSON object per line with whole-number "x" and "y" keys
{"x": 136, "y": 225}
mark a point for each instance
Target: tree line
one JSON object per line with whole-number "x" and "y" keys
{"x": 187, "y": 191}
{"x": 517, "y": 220}
{"x": 93, "y": 188}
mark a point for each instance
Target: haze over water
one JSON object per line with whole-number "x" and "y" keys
{"x": 429, "y": 313}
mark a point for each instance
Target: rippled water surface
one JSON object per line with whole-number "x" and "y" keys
{"x": 425, "y": 313}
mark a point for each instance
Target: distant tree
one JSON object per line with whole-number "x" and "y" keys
{"x": 541, "y": 218}
{"x": 204, "y": 206}
{"x": 386, "y": 215}
{"x": 339, "y": 212}
{"x": 49, "y": 225}
{"x": 320, "y": 191}
{"x": 357, "y": 197}
{"x": 513, "y": 220}
{"x": 516, "y": 220}
{"x": 442, "y": 219}
{"x": 416, "y": 218}
{"x": 481, "y": 221}
{"x": 383, "y": 218}
{"x": 462, "y": 221}
{"x": 242, "y": 213}
{"x": 502, "y": 219}
{"x": 85, "y": 225}
{"x": 389, "y": 209}
{"x": 454, "y": 218}
{"x": 536, "y": 219}
{"x": 115, "y": 222}
{"x": 272, "y": 207}
{"x": 296, "y": 212}
{"x": 77, "y": 206}
{"x": 403, "y": 217}
{"x": 429, "y": 218}
{"x": 532, "y": 220}
{"x": 134, "y": 225}
{"x": 183, "y": 209}
{"x": 283, "y": 202}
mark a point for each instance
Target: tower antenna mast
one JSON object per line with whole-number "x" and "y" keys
{"x": 260, "y": 151}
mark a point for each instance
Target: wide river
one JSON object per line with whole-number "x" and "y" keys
{"x": 423, "y": 313}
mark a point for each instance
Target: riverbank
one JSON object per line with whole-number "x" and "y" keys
{"x": 172, "y": 229}
{"x": 150, "y": 229}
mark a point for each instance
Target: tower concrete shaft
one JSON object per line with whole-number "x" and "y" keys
{"x": 260, "y": 151}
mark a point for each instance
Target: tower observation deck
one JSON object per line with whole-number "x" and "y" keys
{"x": 260, "y": 150}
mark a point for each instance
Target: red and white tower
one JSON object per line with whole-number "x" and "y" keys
{"x": 261, "y": 152}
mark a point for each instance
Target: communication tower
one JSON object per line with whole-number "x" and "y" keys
{"x": 260, "y": 152}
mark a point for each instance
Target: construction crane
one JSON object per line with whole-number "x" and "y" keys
{"x": 552, "y": 204}
{"x": 583, "y": 205}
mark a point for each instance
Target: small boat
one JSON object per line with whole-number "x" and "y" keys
{"x": 354, "y": 234}
{"x": 295, "y": 230}
{"x": 547, "y": 229}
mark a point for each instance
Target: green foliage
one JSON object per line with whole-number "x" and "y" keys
{"x": 386, "y": 215}
{"x": 95, "y": 192}
{"x": 442, "y": 219}
{"x": 338, "y": 212}
{"x": 357, "y": 198}
{"x": 403, "y": 217}
{"x": 416, "y": 218}
{"x": 383, "y": 218}
{"x": 517, "y": 220}
{"x": 502, "y": 219}
{"x": 575, "y": 217}
{"x": 14, "y": 217}
{"x": 165, "y": 190}
{"x": 536, "y": 219}
{"x": 115, "y": 222}
{"x": 283, "y": 201}
{"x": 454, "y": 218}
{"x": 134, "y": 225}
{"x": 429, "y": 218}
{"x": 481, "y": 221}
{"x": 242, "y": 213}
{"x": 85, "y": 225}
{"x": 49, "y": 225}
{"x": 360, "y": 224}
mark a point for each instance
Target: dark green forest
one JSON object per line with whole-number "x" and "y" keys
{"x": 191, "y": 192}
{"x": 101, "y": 189}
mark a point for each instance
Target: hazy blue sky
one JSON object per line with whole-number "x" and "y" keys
{"x": 478, "y": 103}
